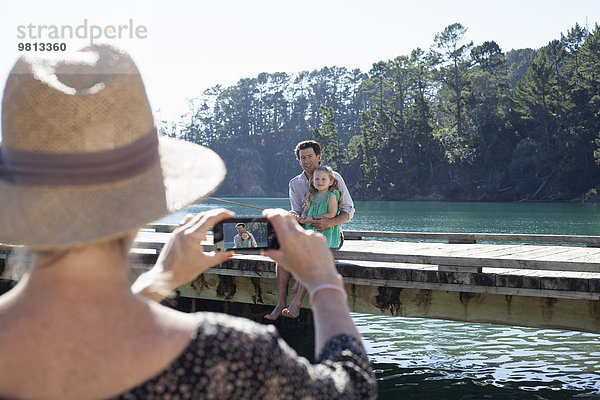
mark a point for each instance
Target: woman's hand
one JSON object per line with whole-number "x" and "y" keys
{"x": 183, "y": 257}
{"x": 305, "y": 220}
{"x": 303, "y": 253}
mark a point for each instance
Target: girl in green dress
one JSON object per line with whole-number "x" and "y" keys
{"x": 246, "y": 240}
{"x": 322, "y": 200}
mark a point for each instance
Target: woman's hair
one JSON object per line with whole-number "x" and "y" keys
{"x": 312, "y": 190}
{"x": 20, "y": 260}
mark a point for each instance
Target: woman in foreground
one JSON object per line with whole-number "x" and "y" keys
{"x": 81, "y": 169}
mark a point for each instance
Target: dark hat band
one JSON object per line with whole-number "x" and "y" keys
{"x": 72, "y": 169}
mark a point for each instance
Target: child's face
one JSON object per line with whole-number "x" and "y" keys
{"x": 321, "y": 180}
{"x": 245, "y": 236}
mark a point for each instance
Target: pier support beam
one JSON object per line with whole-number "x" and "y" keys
{"x": 537, "y": 312}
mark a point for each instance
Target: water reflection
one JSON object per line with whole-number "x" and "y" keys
{"x": 489, "y": 361}
{"x": 565, "y": 218}
{"x": 533, "y": 218}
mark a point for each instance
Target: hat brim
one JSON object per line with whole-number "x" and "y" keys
{"x": 54, "y": 217}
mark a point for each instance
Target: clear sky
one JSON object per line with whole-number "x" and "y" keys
{"x": 192, "y": 45}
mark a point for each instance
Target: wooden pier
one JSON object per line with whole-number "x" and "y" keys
{"x": 543, "y": 281}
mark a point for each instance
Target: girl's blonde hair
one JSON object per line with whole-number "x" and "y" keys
{"x": 312, "y": 190}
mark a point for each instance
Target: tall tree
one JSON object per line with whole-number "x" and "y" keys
{"x": 327, "y": 136}
{"x": 453, "y": 56}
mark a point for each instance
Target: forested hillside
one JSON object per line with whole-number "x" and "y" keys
{"x": 458, "y": 121}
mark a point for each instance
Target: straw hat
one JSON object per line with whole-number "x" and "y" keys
{"x": 80, "y": 159}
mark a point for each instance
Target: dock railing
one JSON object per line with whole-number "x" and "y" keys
{"x": 471, "y": 238}
{"x": 450, "y": 237}
{"x": 358, "y": 247}
{"x": 522, "y": 279}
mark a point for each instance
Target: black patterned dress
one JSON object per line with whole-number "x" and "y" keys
{"x": 234, "y": 358}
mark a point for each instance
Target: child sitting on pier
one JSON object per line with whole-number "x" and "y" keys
{"x": 322, "y": 200}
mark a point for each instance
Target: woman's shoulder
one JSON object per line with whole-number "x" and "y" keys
{"x": 221, "y": 343}
{"x": 218, "y": 325}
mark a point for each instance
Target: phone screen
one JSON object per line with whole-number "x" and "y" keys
{"x": 245, "y": 234}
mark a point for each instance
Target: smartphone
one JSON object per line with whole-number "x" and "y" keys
{"x": 245, "y": 235}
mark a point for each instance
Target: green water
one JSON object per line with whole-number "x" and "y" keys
{"x": 434, "y": 359}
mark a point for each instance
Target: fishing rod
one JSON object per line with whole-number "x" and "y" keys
{"x": 237, "y": 204}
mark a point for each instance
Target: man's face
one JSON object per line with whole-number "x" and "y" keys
{"x": 240, "y": 229}
{"x": 309, "y": 160}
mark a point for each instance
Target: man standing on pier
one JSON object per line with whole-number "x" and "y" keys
{"x": 308, "y": 154}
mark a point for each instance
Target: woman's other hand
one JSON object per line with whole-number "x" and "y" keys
{"x": 302, "y": 252}
{"x": 183, "y": 257}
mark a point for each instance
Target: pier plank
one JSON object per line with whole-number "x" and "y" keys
{"x": 539, "y": 252}
{"x": 497, "y": 250}
{"x": 451, "y": 254}
{"x": 488, "y": 237}
{"x": 591, "y": 256}
{"x": 572, "y": 254}
{"x": 479, "y": 251}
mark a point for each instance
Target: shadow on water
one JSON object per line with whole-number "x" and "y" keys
{"x": 395, "y": 382}
{"x": 404, "y": 383}
{"x": 301, "y": 339}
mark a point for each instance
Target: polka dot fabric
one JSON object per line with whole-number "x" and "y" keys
{"x": 234, "y": 358}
